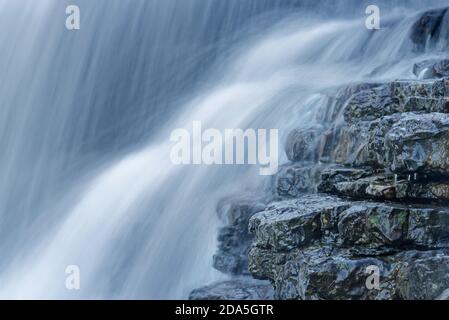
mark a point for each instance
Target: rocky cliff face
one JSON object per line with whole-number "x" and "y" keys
{"x": 368, "y": 190}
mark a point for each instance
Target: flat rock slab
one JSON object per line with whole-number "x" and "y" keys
{"x": 237, "y": 289}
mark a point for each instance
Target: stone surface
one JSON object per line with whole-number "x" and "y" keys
{"x": 444, "y": 295}
{"x": 431, "y": 69}
{"x": 402, "y": 143}
{"x": 381, "y": 162}
{"x": 368, "y": 184}
{"x": 290, "y": 224}
{"x": 418, "y": 142}
{"x": 234, "y": 239}
{"x": 236, "y": 289}
{"x": 429, "y": 28}
{"x": 334, "y": 175}
{"x": 422, "y": 275}
{"x": 302, "y": 144}
{"x": 371, "y": 104}
{"x": 399, "y": 96}
{"x": 293, "y": 180}
{"x": 312, "y": 219}
{"x": 321, "y": 247}
{"x": 378, "y": 227}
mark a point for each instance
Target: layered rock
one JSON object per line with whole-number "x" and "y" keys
{"x": 430, "y": 69}
{"x": 293, "y": 180}
{"x": 234, "y": 239}
{"x": 321, "y": 247}
{"x": 384, "y": 211}
{"x": 379, "y": 228}
{"x": 237, "y": 289}
{"x": 366, "y": 183}
{"x": 234, "y": 242}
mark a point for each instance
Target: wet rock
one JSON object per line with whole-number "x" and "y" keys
{"x": 237, "y": 289}
{"x": 418, "y": 142}
{"x": 420, "y": 104}
{"x": 431, "y": 69}
{"x": 334, "y": 175}
{"x": 290, "y": 224}
{"x": 383, "y": 187}
{"x": 367, "y": 226}
{"x": 444, "y": 295}
{"x": 429, "y": 28}
{"x": 318, "y": 247}
{"x": 403, "y": 143}
{"x": 293, "y": 180}
{"x": 423, "y": 275}
{"x": 337, "y": 99}
{"x": 399, "y": 96}
{"x": 323, "y": 272}
{"x": 311, "y": 219}
{"x": 352, "y": 147}
{"x": 234, "y": 239}
{"x": 335, "y": 275}
{"x": 403, "y": 90}
{"x": 371, "y": 104}
{"x": 438, "y": 191}
{"x": 302, "y": 145}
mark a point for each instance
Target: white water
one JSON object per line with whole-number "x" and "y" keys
{"x": 140, "y": 227}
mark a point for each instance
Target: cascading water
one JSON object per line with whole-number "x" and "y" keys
{"x": 86, "y": 118}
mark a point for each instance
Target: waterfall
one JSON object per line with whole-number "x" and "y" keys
{"x": 86, "y": 116}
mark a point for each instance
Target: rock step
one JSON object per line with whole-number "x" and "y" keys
{"x": 402, "y": 143}
{"x": 292, "y": 180}
{"x": 397, "y": 97}
{"x": 236, "y": 289}
{"x": 433, "y": 68}
{"x": 366, "y": 228}
{"x": 327, "y": 273}
{"x": 366, "y": 183}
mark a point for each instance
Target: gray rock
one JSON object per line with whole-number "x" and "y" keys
{"x": 431, "y": 69}
{"x": 237, "y": 289}
{"x": 383, "y": 187}
{"x": 334, "y": 175}
{"x": 400, "y": 96}
{"x": 378, "y": 227}
{"x": 403, "y": 143}
{"x": 337, "y": 98}
{"x": 294, "y": 180}
{"x": 290, "y": 224}
{"x": 402, "y": 90}
{"x": 320, "y": 247}
{"x": 326, "y": 273}
{"x": 418, "y": 142}
{"x": 366, "y": 227}
{"x": 234, "y": 239}
{"x": 444, "y": 295}
{"x": 371, "y": 104}
{"x": 422, "y": 275}
{"x": 429, "y": 29}
{"x": 303, "y": 144}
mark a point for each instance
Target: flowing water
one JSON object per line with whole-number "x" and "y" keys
{"x": 86, "y": 116}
